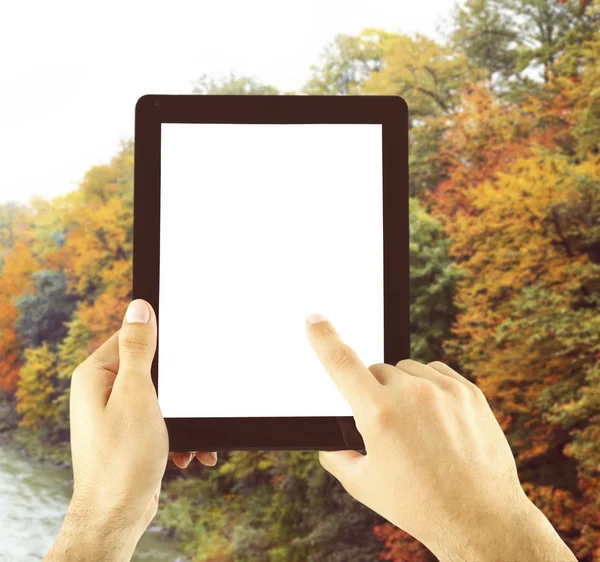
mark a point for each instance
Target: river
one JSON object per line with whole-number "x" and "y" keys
{"x": 33, "y": 501}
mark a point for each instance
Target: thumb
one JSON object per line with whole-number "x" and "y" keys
{"x": 137, "y": 339}
{"x": 346, "y": 466}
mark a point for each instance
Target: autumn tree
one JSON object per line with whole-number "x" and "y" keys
{"x": 518, "y": 42}
{"x": 400, "y": 546}
{"x": 47, "y": 226}
{"x": 15, "y": 280}
{"x": 521, "y": 208}
{"x": 347, "y": 63}
{"x": 96, "y": 255}
{"x": 42, "y": 397}
{"x": 487, "y": 135}
{"x": 429, "y": 77}
{"x": 36, "y": 391}
{"x": 528, "y": 327}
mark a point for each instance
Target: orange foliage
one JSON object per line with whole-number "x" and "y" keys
{"x": 487, "y": 136}
{"x": 519, "y": 211}
{"x": 401, "y": 546}
{"x": 97, "y": 254}
{"x": 105, "y": 315}
{"x": 15, "y": 281}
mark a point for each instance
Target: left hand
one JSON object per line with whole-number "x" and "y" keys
{"x": 119, "y": 439}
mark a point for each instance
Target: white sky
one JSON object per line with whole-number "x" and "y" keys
{"x": 71, "y": 71}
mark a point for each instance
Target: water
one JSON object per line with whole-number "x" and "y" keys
{"x": 33, "y": 502}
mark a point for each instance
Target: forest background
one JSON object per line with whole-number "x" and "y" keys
{"x": 505, "y": 281}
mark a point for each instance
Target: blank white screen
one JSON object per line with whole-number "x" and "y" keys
{"x": 259, "y": 226}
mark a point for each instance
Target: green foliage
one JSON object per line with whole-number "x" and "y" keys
{"x": 544, "y": 29}
{"x": 433, "y": 279}
{"x": 270, "y": 506}
{"x": 41, "y": 445}
{"x": 232, "y": 85}
{"x": 519, "y": 42}
{"x": 14, "y": 220}
{"x": 426, "y": 169}
{"x": 580, "y": 75}
{"x": 8, "y": 414}
{"x": 43, "y": 314}
{"x": 72, "y": 351}
{"x": 486, "y": 33}
{"x": 347, "y": 63}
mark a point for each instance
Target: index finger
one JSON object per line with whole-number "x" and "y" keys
{"x": 352, "y": 378}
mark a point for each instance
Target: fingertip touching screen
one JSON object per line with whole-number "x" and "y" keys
{"x": 260, "y": 225}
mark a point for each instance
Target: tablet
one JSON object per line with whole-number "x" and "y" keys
{"x": 250, "y": 212}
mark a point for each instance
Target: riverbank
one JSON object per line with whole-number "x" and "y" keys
{"x": 36, "y": 483}
{"x": 29, "y": 443}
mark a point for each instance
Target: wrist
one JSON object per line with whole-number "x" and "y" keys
{"x": 90, "y": 536}
{"x": 518, "y": 532}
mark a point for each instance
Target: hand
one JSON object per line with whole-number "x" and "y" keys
{"x": 119, "y": 440}
{"x": 438, "y": 464}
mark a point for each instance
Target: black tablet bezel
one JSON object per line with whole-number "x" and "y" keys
{"x": 274, "y": 433}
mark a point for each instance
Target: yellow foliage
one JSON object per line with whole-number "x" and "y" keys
{"x": 36, "y": 392}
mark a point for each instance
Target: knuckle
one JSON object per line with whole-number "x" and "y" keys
{"x": 406, "y": 362}
{"x": 382, "y": 415}
{"x": 460, "y": 383}
{"x": 377, "y": 366}
{"x": 435, "y": 364}
{"x": 426, "y": 395}
{"x": 133, "y": 344}
{"x": 341, "y": 357}
{"x": 451, "y": 386}
{"x": 380, "y": 371}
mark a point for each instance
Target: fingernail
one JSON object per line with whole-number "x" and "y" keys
{"x": 214, "y": 456}
{"x": 137, "y": 312}
{"x": 315, "y": 317}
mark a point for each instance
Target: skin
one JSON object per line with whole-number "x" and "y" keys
{"x": 438, "y": 464}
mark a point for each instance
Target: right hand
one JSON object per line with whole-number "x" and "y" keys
{"x": 437, "y": 460}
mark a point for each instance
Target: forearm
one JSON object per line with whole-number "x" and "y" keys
{"x": 88, "y": 538}
{"x": 518, "y": 534}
